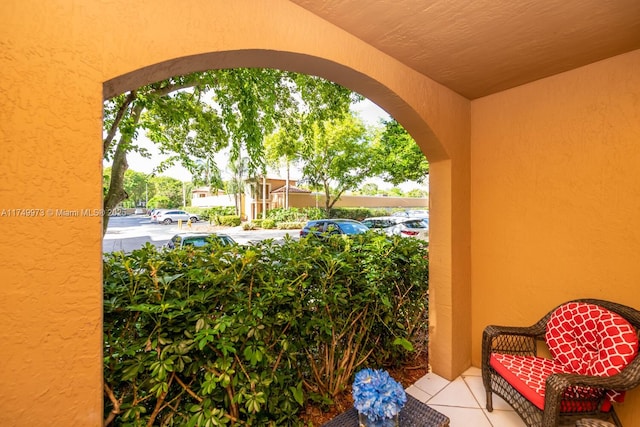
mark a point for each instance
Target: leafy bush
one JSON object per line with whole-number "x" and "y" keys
{"x": 290, "y": 225}
{"x": 227, "y": 220}
{"x": 313, "y": 213}
{"x": 286, "y": 214}
{"x": 249, "y": 334}
{"x": 209, "y": 214}
{"x": 249, "y": 226}
{"x": 268, "y": 224}
{"x": 357, "y": 213}
{"x": 159, "y": 202}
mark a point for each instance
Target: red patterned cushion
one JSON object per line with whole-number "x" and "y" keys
{"x": 528, "y": 375}
{"x": 590, "y": 340}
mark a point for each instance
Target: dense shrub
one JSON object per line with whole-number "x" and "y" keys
{"x": 313, "y": 213}
{"x": 249, "y": 226}
{"x": 226, "y": 220}
{"x": 357, "y": 213}
{"x": 268, "y": 224}
{"x": 208, "y": 214}
{"x": 249, "y": 334}
{"x": 286, "y": 215}
{"x": 289, "y": 225}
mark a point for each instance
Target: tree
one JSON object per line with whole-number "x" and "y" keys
{"x": 416, "y": 192}
{"x": 161, "y": 202}
{"x": 394, "y": 192}
{"x": 369, "y": 189}
{"x": 336, "y": 156}
{"x": 319, "y": 100}
{"x": 398, "y": 157}
{"x": 136, "y": 186}
{"x": 176, "y": 116}
{"x": 169, "y": 188}
{"x": 192, "y": 117}
{"x": 283, "y": 146}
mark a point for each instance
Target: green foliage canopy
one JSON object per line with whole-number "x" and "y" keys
{"x": 336, "y": 156}
{"x": 398, "y": 158}
{"x": 250, "y": 334}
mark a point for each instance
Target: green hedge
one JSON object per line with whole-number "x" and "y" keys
{"x": 358, "y": 213}
{"x": 207, "y": 214}
{"x": 290, "y": 225}
{"x": 251, "y": 334}
{"x": 227, "y": 220}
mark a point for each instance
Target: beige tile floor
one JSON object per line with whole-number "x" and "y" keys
{"x": 463, "y": 401}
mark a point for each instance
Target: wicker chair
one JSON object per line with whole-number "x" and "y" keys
{"x": 567, "y": 397}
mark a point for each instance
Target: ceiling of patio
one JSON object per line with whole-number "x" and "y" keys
{"x": 479, "y": 47}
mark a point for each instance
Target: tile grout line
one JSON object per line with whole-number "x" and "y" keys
{"x": 476, "y": 399}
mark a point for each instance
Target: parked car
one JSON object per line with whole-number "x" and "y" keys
{"x": 153, "y": 214}
{"x": 320, "y": 227}
{"x": 198, "y": 240}
{"x": 397, "y": 225}
{"x": 379, "y": 223}
{"x": 412, "y": 213}
{"x": 168, "y": 216}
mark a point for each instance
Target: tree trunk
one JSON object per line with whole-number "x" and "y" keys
{"x": 116, "y": 193}
{"x": 286, "y": 188}
{"x": 327, "y": 199}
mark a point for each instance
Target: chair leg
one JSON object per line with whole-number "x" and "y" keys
{"x": 489, "y": 401}
{"x": 615, "y": 418}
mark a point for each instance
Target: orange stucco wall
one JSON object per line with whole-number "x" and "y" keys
{"x": 534, "y": 196}
{"x": 57, "y": 59}
{"x": 555, "y": 172}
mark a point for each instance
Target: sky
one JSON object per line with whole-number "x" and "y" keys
{"x": 369, "y": 112}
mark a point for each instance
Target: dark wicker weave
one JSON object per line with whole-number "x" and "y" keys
{"x": 522, "y": 341}
{"x": 593, "y": 423}
{"x": 414, "y": 414}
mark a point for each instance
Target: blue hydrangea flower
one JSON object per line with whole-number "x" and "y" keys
{"x": 377, "y": 395}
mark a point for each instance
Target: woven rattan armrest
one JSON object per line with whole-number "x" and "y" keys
{"x": 520, "y": 340}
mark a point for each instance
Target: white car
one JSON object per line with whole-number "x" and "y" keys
{"x": 173, "y": 215}
{"x": 412, "y": 213}
{"x": 397, "y": 225}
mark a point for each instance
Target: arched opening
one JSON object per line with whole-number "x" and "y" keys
{"x": 448, "y": 355}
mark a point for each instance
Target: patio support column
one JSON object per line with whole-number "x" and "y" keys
{"x": 449, "y": 269}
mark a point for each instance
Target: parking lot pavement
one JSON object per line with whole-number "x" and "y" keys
{"x": 132, "y": 232}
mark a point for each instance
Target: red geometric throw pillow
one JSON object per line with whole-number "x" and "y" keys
{"x": 590, "y": 340}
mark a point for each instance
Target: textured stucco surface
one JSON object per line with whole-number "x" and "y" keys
{"x": 534, "y": 188}
{"x": 555, "y": 197}
{"x": 55, "y": 62}
{"x": 481, "y": 47}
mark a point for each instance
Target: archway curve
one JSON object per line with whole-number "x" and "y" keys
{"x": 398, "y": 108}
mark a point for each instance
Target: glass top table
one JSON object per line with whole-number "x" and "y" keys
{"x": 414, "y": 414}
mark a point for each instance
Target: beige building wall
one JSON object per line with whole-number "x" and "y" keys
{"x": 306, "y": 200}
{"x": 555, "y": 197}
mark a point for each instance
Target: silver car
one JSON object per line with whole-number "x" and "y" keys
{"x": 168, "y": 216}
{"x": 397, "y": 225}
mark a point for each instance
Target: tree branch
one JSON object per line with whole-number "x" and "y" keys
{"x": 116, "y": 405}
{"x": 116, "y": 122}
{"x": 188, "y": 389}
